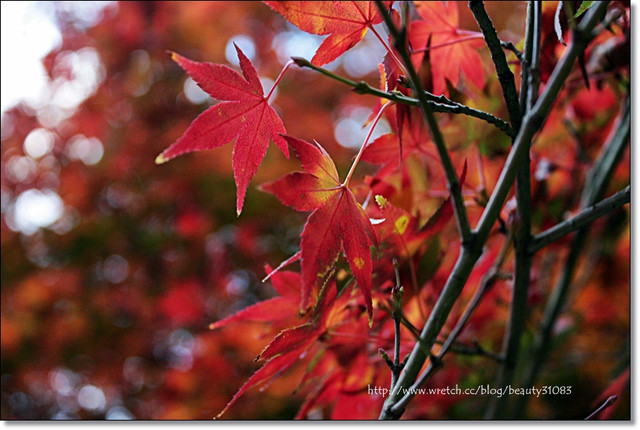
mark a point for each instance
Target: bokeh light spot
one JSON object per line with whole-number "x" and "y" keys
{"x": 246, "y": 45}
{"x": 92, "y": 398}
{"x": 39, "y": 142}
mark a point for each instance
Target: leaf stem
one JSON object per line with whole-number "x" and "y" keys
{"x": 293, "y": 258}
{"x": 364, "y": 144}
{"x": 450, "y": 42}
{"x": 275, "y": 84}
{"x": 608, "y": 402}
{"x": 439, "y": 103}
{"x": 389, "y": 50}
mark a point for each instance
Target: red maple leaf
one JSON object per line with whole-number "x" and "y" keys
{"x": 290, "y": 344}
{"x": 266, "y": 373}
{"x": 451, "y": 49}
{"x": 284, "y": 350}
{"x": 283, "y": 306}
{"x": 244, "y": 115}
{"x": 337, "y": 222}
{"x": 345, "y": 22}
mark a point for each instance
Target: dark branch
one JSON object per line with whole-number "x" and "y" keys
{"x": 440, "y": 104}
{"x": 505, "y": 76}
{"x": 585, "y": 217}
{"x": 460, "y": 211}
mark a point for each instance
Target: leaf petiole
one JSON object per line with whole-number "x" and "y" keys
{"x": 364, "y": 144}
{"x": 278, "y": 79}
{"x": 448, "y": 43}
{"x": 389, "y": 50}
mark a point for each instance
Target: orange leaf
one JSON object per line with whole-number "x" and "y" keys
{"x": 346, "y": 23}
{"x": 451, "y": 50}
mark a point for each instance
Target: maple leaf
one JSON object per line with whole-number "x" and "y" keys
{"x": 287, "y": 285}
{"x": 290, "y": 344}
{"x": 451, "y": 49}
{"x": 337, "y": 222}
{"x": 244, "y": 115}
{"x": 400, "y": 228}
{"x": 346, "y": 23}
{"x": 270, "y": 370}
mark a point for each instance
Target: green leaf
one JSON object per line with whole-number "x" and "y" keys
{"x": 584, "y": 6}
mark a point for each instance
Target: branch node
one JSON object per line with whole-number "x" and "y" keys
{"x": 386, "y": 358}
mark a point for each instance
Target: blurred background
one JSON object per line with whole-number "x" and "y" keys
{"x": 113, "y": 267}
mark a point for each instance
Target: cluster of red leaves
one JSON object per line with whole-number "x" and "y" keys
{"x": 337, "y": 222}
{"x": 322, "y": 333}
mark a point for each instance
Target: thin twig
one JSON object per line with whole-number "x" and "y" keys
{"x": 468, "y": 256}
{"x": 535, "y": 118}
{"x": 455, "y": 189}
{"x": 595, "y": 186}
{"x": 518, "y": 309}
{"x": 505, "y": 76}
{"x": 359, "y": 87}
{"x": 610, "y": 401}
{"x": 396, "y": 313}
{"x": 526, "y": 56}
{"x": 443, "y": 104}
{"x": 582, "y": 219}
{"x": 533, "y": 78}
{"x": 474, "y": 349}
{"x": 511, "y": 47}
{"x": 488, "y": 280}
{"x": 440, "y": 104}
